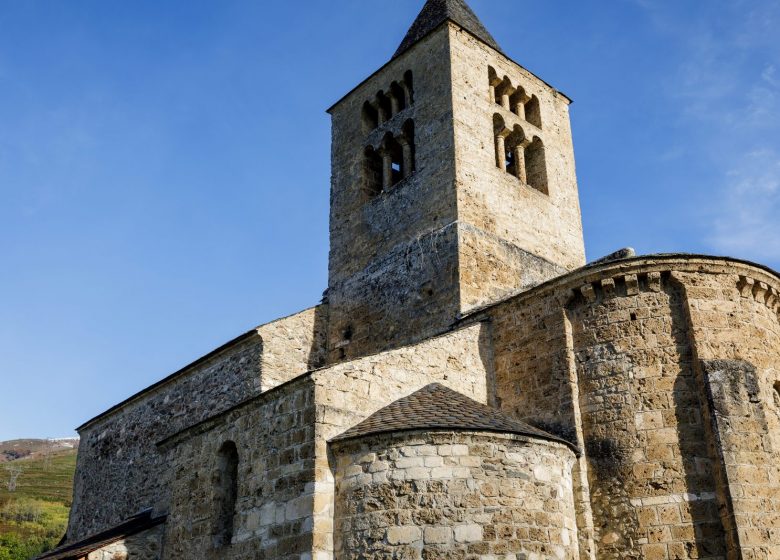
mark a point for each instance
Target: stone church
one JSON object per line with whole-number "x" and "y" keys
{"x": 469, "y": 387}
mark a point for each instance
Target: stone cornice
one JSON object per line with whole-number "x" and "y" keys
{"x": 583, "y": 280}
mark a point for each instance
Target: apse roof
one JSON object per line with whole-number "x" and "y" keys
{"x": 437, "y": 407}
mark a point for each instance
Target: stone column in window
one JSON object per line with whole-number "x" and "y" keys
{"x": 501, "y": 150}
{"x": 519, "y": 100}
{"x": 408, "y": 155}
{"x": 520, "y": 170}
{"x": 494, "y": 83}
{"x": 387, "y": 168}
{"x": 505, "y": 95}
{"x": 395, "y": 106}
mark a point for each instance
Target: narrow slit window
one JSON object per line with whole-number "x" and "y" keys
{"x": 225, "y": 494}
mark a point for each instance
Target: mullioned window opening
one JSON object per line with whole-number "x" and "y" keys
{"x": 391, "y": 163}
{"x": 387, "y": 104}
{"x": 520, "y": 156}
{"x": 514, "y": 98}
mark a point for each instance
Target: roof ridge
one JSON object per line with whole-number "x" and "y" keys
{"x": 436, "y": 12}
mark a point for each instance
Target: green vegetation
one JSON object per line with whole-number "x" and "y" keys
{"x": 33, "y": 517}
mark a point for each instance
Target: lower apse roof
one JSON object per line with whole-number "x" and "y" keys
{"x": 436, "y": 407}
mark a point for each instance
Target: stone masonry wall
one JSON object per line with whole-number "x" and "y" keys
{"x": 286, "y": 487}
{"x": 397, "y": 300}
{"x": 653, "y": 492}
{"x": 454, "y": 495}
{"x": 495, "y": 203}
{"x": 491, "y": 268}
{"x": 664, "y": 370}
{"x": 143, "y": 546}
{"x": 536, "y": 382}
{"x": 735, "y": 326}
{"x": 274, "y": 437}
{"x": 393, "y": 256}
{"x": 119, "y": 471}
{"x": 293, "y": 345}
{"x": 349, "y": 393}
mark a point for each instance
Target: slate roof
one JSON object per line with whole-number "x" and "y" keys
{"x": 437, "y": 407}
{"x": 436, "y": 12}
{"x": 82, "y": 548}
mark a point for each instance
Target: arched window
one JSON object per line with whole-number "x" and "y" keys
{"x": 500, "y": 133}
{"x": 397, "y": 98}
{"x": 533, "y": 112}
{"x": 392, "y": 161}
{"x": 493, "y": 83}
{"x": 536, "y": 166}
{"x": 225, "y": 494}
{"x": 372, "y": 172}
{"x": 517, "y": 102}
{"x": 397, "y": 153}
{"x": 384, "y": 107}
{"x": 504, "y": 92}
{"x": 370, "y": 117}
{"x": 777, "y": 393}
{"x": 515, "y": 154}
{"x": 409, "y": 87}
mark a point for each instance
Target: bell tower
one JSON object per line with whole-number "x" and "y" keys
{"x": 453, "y": 186}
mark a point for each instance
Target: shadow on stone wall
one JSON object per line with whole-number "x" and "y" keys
{"x": 318, "y": 353}
{"x": 487, "y": 356}
{"x": 707, "y": 539}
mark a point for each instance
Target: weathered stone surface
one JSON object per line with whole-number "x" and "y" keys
{"x": 293, "y": 345}
{"x": 506, "y": 496}
{"x": 617, "y": 369}
{"x": 120, "y": 472}
{"x": 456, "y": 233}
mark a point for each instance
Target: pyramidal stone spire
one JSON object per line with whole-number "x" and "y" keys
{"x": 436, "y": 12}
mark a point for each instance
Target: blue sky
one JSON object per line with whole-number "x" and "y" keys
{"x": 164, "y": 166}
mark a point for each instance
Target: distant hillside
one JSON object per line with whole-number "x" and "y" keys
{"x": 34, "y": 510}
{"x": 22, "y": 448}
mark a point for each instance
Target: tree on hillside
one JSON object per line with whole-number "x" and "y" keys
{"x": 14, "y": 472}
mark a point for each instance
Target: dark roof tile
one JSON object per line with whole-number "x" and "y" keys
{"x": 436, "y": 12}
{"x": 436, "y": 407}
{"x": 82, "y": 548}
